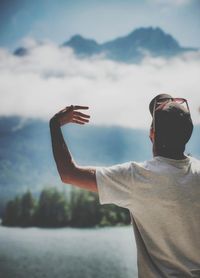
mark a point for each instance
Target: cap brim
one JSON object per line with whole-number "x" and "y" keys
{"x": 158, "y": 97}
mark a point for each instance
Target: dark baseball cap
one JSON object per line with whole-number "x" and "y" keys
{"x": 173, "y": 123}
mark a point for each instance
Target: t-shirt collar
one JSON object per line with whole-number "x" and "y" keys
{"x": 173, "y": 161}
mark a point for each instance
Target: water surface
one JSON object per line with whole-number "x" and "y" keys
{"x": 67, "y": 253}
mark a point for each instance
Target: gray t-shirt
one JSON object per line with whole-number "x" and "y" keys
{"x": 163, "y": 197}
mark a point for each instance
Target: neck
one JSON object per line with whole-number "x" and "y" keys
{"x": 168, "y": 154}
{"x": 172, "y": 156}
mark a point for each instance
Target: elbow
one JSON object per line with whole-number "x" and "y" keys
{"x": 67, "y": 176}
{"x": 64, "y": 178}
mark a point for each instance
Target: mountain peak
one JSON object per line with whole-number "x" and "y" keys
{"x": 154, "y": 39}
{"x": 82, "y": 45}
{"x": 77, "y": 38}
{"x": 147, "y": 31}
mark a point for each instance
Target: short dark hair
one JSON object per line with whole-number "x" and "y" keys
{"x": 173, "y": 128}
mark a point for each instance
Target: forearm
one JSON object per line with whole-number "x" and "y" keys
{"x": 61, "y": 153}
{"x": 70, "y": 173}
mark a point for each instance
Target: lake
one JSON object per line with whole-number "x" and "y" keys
{"x": 108, "y": 252}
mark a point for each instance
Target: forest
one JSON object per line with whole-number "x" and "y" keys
{"x": 80, "y": 208}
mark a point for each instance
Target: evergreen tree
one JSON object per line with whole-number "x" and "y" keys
{"x": 12, "y": 212}
{"x": 27, "y": 210}
{"x": 85, "y": 209}
{"x": 52, "y": 210}
{"x": 114, "y": 216}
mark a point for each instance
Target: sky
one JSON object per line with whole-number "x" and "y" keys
{"x": 101, "y": 20}
{"x": 49, "y": 78}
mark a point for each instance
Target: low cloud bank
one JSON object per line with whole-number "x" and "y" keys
{"x": 50, "y": 78}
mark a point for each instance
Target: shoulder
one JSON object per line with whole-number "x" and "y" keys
{"x": 195, "y": 163}
{"x": 123, "y": 171}
{"x": 146, "y": 165}
{"x": 126, "y": 169}
{"x": 193, "y": 159}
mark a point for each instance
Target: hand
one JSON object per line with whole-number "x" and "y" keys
{"x": 70, "y": 115}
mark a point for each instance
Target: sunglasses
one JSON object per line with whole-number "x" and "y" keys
{"x": 160, "y": 104}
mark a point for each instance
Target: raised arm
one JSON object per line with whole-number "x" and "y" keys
{"x": 69, "y": 171}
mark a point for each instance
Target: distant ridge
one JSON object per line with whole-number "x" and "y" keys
{"x": 129, "y": 49}
{"x": 83, "y": 46}
{"x": 21, "y": 51}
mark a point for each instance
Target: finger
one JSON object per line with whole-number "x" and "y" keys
{"x": 77, "y": 107}
{"x": 71, "y": 107}
{"x": 64, "y": 109}
{"x": 78, "y": 122}
{"x": 81, "y": 114}
{"x": 80, "y": 119}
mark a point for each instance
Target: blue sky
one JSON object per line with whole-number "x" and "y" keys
{"x": 101, "y": 20}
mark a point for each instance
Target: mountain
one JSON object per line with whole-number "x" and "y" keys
{"x": 83, "y": 46}
{"x": 140, "y": 42}
{"x": 129, "y": 49}
{"x": 21, "y": 51}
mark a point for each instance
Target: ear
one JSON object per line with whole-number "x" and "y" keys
{"x": 152, "y": 135}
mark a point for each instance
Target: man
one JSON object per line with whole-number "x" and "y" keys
{"x": 162, "y": 194}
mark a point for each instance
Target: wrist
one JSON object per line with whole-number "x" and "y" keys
{"x": 54, "y": 122}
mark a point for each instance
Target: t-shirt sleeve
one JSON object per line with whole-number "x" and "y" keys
{"x": 115, "y": 184}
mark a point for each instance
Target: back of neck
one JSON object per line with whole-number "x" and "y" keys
{"x": 176, "y": 156}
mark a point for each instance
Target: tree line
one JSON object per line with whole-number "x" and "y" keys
{"x": 80, "y": 208}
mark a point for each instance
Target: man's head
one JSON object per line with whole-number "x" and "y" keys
{"x": 171, "y": 125}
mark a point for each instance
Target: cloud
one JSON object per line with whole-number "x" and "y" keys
{"x": 50, "y": 78}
